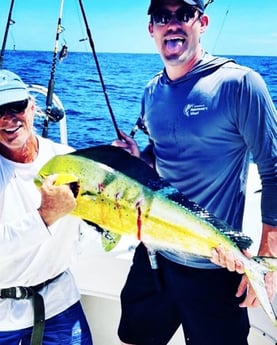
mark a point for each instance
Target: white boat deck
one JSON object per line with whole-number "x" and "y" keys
{"x": 101, "y": 275}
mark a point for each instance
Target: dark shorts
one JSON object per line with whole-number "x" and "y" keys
{"x": 156, "y": 302}
{"x": 67, "y": 328}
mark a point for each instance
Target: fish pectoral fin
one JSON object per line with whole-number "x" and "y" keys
{"x": 257, "y": 281}
{"x": 109, "y": 239}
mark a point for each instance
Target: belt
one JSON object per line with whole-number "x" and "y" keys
{"x": 24, "y": 292}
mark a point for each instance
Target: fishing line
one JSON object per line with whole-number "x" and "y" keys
{"x": 83, "y": 34}
{"x": 54, "y": 115}
{"x": 222, "y": 26}
{"x": 99, "y": 70}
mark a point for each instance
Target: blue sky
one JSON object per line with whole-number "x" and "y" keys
{"x": 237, "y": 27}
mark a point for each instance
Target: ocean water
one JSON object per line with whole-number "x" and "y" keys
{"x": 77, "y": 84}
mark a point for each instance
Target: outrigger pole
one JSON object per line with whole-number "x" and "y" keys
{"x": 99, "y": 70}
{"x": 50, "y": 114}
{"x": 6, "y": 33}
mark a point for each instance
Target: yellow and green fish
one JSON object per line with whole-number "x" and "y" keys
{"x": 121, "y": 194}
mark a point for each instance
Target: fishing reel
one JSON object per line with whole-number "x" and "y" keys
{"x": 54, "y": 113}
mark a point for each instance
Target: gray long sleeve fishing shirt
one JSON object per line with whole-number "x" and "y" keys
{"x": 204, "y": 127}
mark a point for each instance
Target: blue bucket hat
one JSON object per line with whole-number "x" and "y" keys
{"x": 155, "y": 4}
{"x": 12, "y": 88}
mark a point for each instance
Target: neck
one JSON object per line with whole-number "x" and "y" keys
{"x": 177, "y": 71}
{"x": 25, "y": 154}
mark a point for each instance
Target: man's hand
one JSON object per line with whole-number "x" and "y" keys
{"x": 251, "y": 299}
{"x": 56, "y": 201}
{"x": 224, "y": 258}
{"x": 128, "y": 144}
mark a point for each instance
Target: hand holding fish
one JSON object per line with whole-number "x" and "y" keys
{"x": 225, "y": 258}
{"x": 128, "y": 144}
{"x": 251, "y": 299}
{"x": 56, "y": 201}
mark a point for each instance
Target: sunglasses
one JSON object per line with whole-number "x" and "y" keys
{"x": 183, "y": 14}
{"x": 13, "y": 108}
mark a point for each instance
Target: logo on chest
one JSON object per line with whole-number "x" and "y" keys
{"x": 194, "y": 109}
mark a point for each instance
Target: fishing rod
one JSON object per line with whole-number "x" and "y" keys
{"x": 9, "y": 22}
{"x": 208, "y": 3}
{"x": 53, "y": 114}
{"x": 99, "y": 70}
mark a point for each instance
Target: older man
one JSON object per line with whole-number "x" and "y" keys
{"x": 37, "y": 237}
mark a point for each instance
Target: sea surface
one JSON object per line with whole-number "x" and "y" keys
{"x": 77, "y": 84}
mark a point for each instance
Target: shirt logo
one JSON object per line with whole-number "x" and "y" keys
{"x": 194, "y": 109}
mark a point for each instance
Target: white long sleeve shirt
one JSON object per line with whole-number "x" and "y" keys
{"x": 31, "y": 253}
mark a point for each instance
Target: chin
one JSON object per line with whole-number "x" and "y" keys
{"x": 174, "y": 60}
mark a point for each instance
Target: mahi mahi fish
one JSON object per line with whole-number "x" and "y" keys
{"x": 121, "y": 194}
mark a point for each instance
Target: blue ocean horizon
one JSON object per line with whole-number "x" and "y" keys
{"x": 77, "y": 84}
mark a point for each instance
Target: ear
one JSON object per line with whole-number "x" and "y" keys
{"x": 33, "y": 104}
{"x": 150, "y": 29}
{"x": 204, "y": 20}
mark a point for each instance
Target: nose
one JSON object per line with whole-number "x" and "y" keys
{"x": 173, "y": 18}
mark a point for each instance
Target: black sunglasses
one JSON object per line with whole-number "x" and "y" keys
{"x": 13, "y": 108}
{"x": 163, "y": 16}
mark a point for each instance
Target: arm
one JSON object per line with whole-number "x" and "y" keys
{"x": 268, "y": 247}
{"x": 259, "y": 130}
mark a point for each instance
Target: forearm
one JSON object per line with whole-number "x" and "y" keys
{"x": 148, "y": 156}
{"x": 268, "y": 244}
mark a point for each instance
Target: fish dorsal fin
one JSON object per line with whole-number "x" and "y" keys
{"x": 109, "y": 239}
{"x": 122, "y": 161}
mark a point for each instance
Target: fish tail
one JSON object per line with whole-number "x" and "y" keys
{"x": 256, "y": 276}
